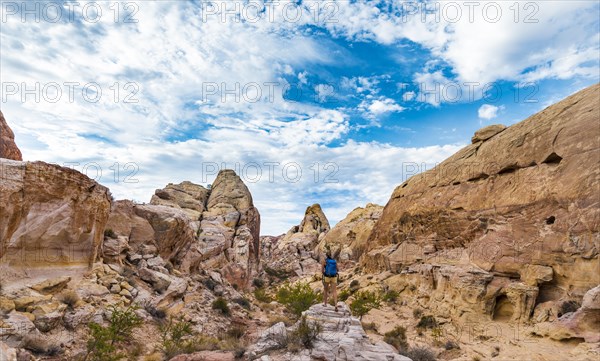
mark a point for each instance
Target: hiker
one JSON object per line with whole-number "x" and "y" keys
{"x": 330, "y": 278}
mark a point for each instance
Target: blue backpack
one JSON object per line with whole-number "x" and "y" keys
{"x": 330, "y": 267}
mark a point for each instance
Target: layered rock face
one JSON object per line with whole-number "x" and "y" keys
{"x": 51, "y": 216}
{"x": 193, "y": 227}
{"x": 507, "y": 223}
{"x": 8, "y": 148}
{"x": 348, "y": 239}
{"x": 342, "y": 338}
{"x": 294, "y": 253}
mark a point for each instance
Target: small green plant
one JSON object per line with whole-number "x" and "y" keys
{"x": 176, "y": 338}
{"x": 261, "y": 295}
{"x": 371, "y": 326}
{"x": 69, "y": 298}
{"x": 427, "y": 322}
{"x": 258, "y": 283}
{"x": 396, "y": 338}
{"x": 390, "y": 296}
{"x": 297, "y": 297}
{"x": 417, "y": 313}
{"x": 364, "y": 301}
{"x": 221, "y": 305}
{"x": 307, "y": 332}
{"x": 105, "y": 343}
{"x": 437, "y": 333}
{"x": 420, "y": 353}
{"x": 344, "y": 295}
{"x": 242, "y": 301}
{"x": 109, "y": 233}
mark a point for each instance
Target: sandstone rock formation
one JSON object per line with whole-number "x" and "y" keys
{"x": 8, "y": 148}
{"x": 348, "y": 239}
{"x": 507, "y": 223}
{"x": 583, "y": 323}
{"x": 51, "y": 217}
{"x": 193, "y": 228}
{"x": 294, "y": 253}
{"x": 342, "y": 338}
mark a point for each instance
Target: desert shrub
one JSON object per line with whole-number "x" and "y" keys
{"x": 567, "y": 307}
{"x": 221, "y": 305}
{"x": 417, "y": 313}
{"x": 306, "y": 332}
{"x": 206, "y": 343}
{"x": 476, "y": 358}
{"x": 176, "y": 338}
{"x": 69, "y": 298}
{"x": 242, "y": 301}
{"x": 427, "y": 322}
{"x": 420, "y": 353}
{"x": 258, "y": 283}
{"x": 437, "y": 333}
{"x": 371, "y": 326}
{"x": 297, "y": 297}
{"x": 396, "y": 338}
{"x": 40, "y": 346}
{"x": 354, "y": 285}
{"x": 344, "y": 295}
{"x": 236, "y": 345}
{"x": 105, "y": 342}
{"x": 236, "y": 331}
{"x": 390, "y": 296}
{"x": 280, "y": 274}
{"x": 364, "y": 301}
{"x": 261, "y": 295}
{"x": 210, "y": 284}
{"x": 451, "y": 345}
{"x": 109, "y": 233}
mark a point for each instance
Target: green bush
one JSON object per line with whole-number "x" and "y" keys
{"x": 261, "y": 295}
{"x": 105, "y": 343}
{"x": 297, "y": 297}
{"x": 258, "y": 283}
{"x": 344, "y": 295}
{"x": 364, "y": 301}
{"x": 420, "y": 353}
{"x": 427, "y": 322}
{"x": 390, "y": 296}
{"x": 417, "y": 313}
{"x": 306, "y": 333}
{"x": 176, "y": 338}
{"x": 221, "y": 305}
{"x": 397, "y": 338}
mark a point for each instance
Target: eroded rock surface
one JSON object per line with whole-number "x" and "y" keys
{"x": 51, "y": 217}
{"x": 519, "y": 205}
{"x": 8, "y": 147}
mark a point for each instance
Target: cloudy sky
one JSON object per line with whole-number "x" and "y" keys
{"x": 334, "y": 102}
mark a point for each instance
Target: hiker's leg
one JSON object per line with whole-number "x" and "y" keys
{"x": 334, "y": 285}
{"x": 325, "y": 291}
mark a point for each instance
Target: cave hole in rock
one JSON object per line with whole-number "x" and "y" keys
{"x": 503, "y": 309}
{"x": 550, "y": 220}
{"x": 548, "y": 292}
{"x": 553, "y": 158}
{"x": 508, "y": 169}
{"x": 480, "y": 176}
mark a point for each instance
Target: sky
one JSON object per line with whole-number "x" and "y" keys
{"x": 330, "y": 102}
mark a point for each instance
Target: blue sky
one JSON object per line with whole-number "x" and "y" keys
{"x": 311, "y": 101}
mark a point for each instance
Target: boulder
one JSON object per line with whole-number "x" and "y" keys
{"x": 519, "y": 204}
{"x": 52, "y": 285}
{"x": 486, "y": 133}
{"x": 160, "y": 282}
{"x": 342, "y": 338}
{"x": 8, "y": 147}
{"x": 189, "y": 197}
{"x": 348, "y": 239}
{"x": 583, "y": 323}
{"x": 52, "y": 218}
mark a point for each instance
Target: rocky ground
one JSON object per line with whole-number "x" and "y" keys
{"x": 491, "y": 255}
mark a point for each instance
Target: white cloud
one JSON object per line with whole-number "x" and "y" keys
{"x": 408, "y": 96}
{"x": 488, "y": 111}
